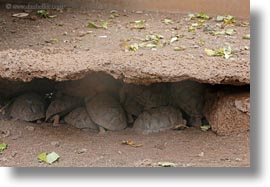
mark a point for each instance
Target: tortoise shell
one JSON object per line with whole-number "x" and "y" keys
{"x": 62, "y": 104}
{"x": 189, "y": 96}
{"x": 79, "y": 118}
{"x": 106, "y": 111}
{"x": 158, "y": 119}
{"x": 151, "y": 96}
{"x": 28, "y": 107}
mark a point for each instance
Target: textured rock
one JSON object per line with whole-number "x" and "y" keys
{"x": 228, "y": 113}
{"x": 62, "y": 65}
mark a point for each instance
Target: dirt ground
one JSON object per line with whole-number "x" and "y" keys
{"x": 188, "y": 148}
{"x": 64, "y": 48}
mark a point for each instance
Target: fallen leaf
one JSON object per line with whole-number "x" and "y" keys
{"x": 219, "y": 18}
{"x": 180, "y": 127}
{"x": 166, "y": 164}
{"x": 209, "y": 52}
{"x": 48, "y": 158}
{"x": 3, "y": 147}
{"x": 205, "y": 127}
{"x": 150, "y": 45}
{"x": 229, "y": 31}
{"x": 131, "y": 143}
{"x": 133, "y": 47}
{"x": 138, "y": 24}
{"x": 20, "y": 15}
{"x": 191, "y": 16}
{"x": 203, "y": 16}
{"x": 43, "y": 13}
{"x": 246, "y": 37}
{"x": 227, "y": 52}
{"x": 138, "y": 27}
{"x": 43, "y": 157}
{"x": 201, "y": 42}
{"x": 222, "y": 32}
{"x": 167, "y": 21}
{"x": 191, "y": 28}
{"x": 96, "y": 26}
{"x": 114, "y": 13}
{"x": 52, "y": 157}
{"x": 173, "y": 39}
{"x": 140, "y": 21}
{"x": 179, "y": 48}
{"x": 229, "y": 20}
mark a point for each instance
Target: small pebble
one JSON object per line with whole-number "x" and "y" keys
{"x": 13, "y": 154}
{"x": 3, "y": 159}
{"x": 201, "y": 154}
{"x": 55, "y": 143}
{"x": 81, "y": 151}
{"x": 30, "y": 128}
{"x": 238, "y": 159}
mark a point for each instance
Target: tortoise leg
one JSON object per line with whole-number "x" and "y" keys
{"x": 130, "y": 118}
{"x": 196, "y": 122}
{"x": 101, "y": 130}
{"x": 56, "y": 120}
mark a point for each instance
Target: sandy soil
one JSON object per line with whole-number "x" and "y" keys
{"x": 61, "y": 48}
{"x": 183, "y": 148}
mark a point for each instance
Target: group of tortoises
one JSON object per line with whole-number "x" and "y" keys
{"x": 149, "y": 109}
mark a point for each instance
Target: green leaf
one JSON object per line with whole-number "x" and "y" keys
{"x": 52, "y": 157}
{"x": 201, "y": 42}
{"x": 140, "y": 21}
{"x": 246, "y": 37}
{"x": 166, "y": 164}
{"x": 173, "y": 39}
{"x": 43, "y": 157}
{"x": 167, "y": 21}
{"x": 205, "y": 127}
{"x": 229, "y": 20}
{"x": 203, "y": 16}
{"x": 104, "y": 25}
{"x": 222, "y": 32}
{"x": 133, "y": 47}
{"x": 229, "y": 31}
{"x": 114, "y": 13}
{"x": 219, "y": 18}
{"x": 191, "y": 16}
{"x": 94, "y": 26}
{"x": 151, "y": 45}
{"x": 227, "y": 52}
{"x": 138, "y": 27}
{"x": 209, "y": 52}
{"x": 3, "y": 147}
{"x": 179, "y": 48}
{"x": 191, "y": 28}
{"x": 43, "y": 13}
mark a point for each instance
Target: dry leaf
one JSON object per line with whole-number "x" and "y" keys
{"x": 131, "y": 143}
